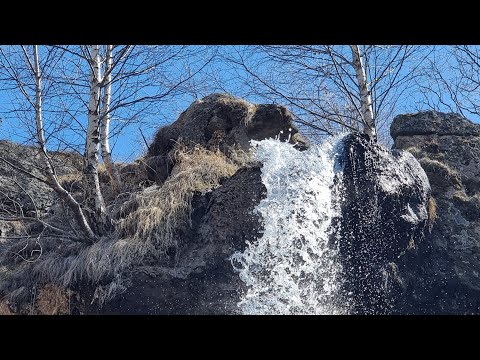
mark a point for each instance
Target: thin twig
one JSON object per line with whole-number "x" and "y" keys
{"x": 144, "y": 140}
{"x": 47, "y": 225}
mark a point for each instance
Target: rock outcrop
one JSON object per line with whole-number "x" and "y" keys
{"x": 384, "y": 213}
{"x": 219, "y": 121}
{"x": 408, "y": 233}
{"x": 196, "y": 277}
{"x": 384, "y": 202}
{"x": 442, "y": 274}
{"x": 202, "y": 279}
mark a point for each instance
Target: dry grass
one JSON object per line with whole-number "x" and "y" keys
{"x": 76, "y": 177}
{"x": 70, "y": 178}
{"x": 162, "y": 141}
{"x": 415, "y": 151}
{"x": 234, "y": 102}
{"x": 162, "y": 210}
{"x": 238, "y": 156}
{"x": 437, "y": 168}
{"x": 231, "y": 100}
{"x": 52, "y": 300}
{"x": 4, "y": 308}
{"x": 148, "y": 223}
{"x": 432, "y": 212}
{"x": 251, "y": 109}
{"x": 439, "y": 165}
{"x": 73, "y": 182}
{"x": 12, "y": 228}
{"x": 134, "y": 176}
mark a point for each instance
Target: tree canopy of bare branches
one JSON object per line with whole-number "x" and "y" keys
{"x": 450, "y": 81}
{"x": 330, "y": 88}
{"x": 79, "y": 97}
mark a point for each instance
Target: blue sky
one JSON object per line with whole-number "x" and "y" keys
{"x": 219, "y": 76}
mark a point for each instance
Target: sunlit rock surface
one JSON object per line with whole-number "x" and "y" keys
{"x": 442, "y": 275}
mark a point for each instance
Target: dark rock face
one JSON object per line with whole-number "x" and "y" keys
{"x": 201, "y": 279}
{"x": 442, "y": 275}
{"x": 219, "y": 121}
{"x": 383, "y": 214}
{"x": 22, "y": 195}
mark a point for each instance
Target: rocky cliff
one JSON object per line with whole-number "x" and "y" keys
{"x": 201, "y": 279}
{"x": 442, "y": 273}
{"x": 407, "y": 232}
{"x": 383, "y": 198}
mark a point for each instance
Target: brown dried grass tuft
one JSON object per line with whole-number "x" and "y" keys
{"x": 432, "y": 212}
{"x": 162, "y": 210}
{"x": 4, "y": 308}
{"x": 152, "y": 220}
{"x": 52, "y": 300}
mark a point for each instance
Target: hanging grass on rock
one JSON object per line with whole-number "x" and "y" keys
{"x": 161, "y": 210}
{"x": 150, "y": 221}
{"x": 147, "y": 224}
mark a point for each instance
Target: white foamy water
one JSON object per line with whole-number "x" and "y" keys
{"x": 292, "y": 269}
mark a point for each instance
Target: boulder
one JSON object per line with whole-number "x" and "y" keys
{"x": 219, "y": 121}
{"x": 442, "y": 274}
{"x": 384, "y": 213}
{"x": 432, "y": 123}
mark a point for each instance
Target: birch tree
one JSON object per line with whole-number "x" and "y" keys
{"x": 49, "y": 170}
{"x": 135, "y": 83}
{"x": 88, "y": 88}
{"x": 329, "y": 88}
{"x": 369, "y": 126}
{"x": 63, "y": 194}
{"x": 92, "y": 145}
{"x": 105, "y": 121}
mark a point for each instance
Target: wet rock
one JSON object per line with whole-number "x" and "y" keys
{"x": 201, "y": 279}
{"x": 384, "y": 212}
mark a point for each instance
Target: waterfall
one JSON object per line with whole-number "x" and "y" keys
{"x": 292, "y": 268}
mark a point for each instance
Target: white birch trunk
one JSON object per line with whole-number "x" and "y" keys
{"x": 105, "y": 123}
{"x": 63, "y": 194}
{"x": 92, "y": 146}
{"x": 365, "y": 96}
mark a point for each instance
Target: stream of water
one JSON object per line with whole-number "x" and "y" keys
{"x": 292, "y": 268}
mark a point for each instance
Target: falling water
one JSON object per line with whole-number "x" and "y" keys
{"x": 292, "y": 267}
